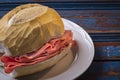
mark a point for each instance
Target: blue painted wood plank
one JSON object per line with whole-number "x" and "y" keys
{"x": 21, "y": 1}
{"x": 105, "y": 37}
{"x": 107, "y": 51}
{"x": 99, "y": 78}
{"x": 70, "y": 6}
{"x": 109, "y": 78}
{"x": 102, "y": 71}
{"x": 99, "y": 20}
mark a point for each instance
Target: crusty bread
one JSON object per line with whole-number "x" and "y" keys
{"x": 27, "y": 27}
{"x": 26, "y": 70}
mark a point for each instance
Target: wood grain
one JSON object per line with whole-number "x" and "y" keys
{"x": 21, "y": 1}
{"x": 105, "y": 37}
{"x": 70, "y": 5}
{"x": 102, "y": 71}
{"x": 107, "y": 51}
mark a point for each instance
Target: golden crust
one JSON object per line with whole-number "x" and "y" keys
{"x": 27, "y": 27}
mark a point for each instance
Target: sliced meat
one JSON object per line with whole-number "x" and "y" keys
{"x": 50, "y": 49}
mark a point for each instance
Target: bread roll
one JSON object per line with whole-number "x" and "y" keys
{"x": 27, "y": 27}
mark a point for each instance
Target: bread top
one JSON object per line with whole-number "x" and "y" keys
{"x": 27, "y": 27}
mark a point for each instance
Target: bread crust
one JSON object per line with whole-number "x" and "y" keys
{"x": 28, "y": 27}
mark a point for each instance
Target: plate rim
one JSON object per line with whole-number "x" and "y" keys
{"x": 91, "y": 58}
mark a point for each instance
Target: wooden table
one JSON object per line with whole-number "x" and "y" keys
{"x": 101, "y": 19}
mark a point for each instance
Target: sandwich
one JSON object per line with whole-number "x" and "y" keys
{"x": 32, "y": 38}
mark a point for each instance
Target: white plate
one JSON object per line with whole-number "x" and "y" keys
{"x": 66, "y": 69}
{"x": 85, "y": 52}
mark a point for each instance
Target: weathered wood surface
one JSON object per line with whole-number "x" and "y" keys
{"x": 102, "y": 70}
{"x": 101, "y": 19}
{"x": 107, "y": 51}
{"x": 70, "y": 5}
{"x": 31, "y": 1}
